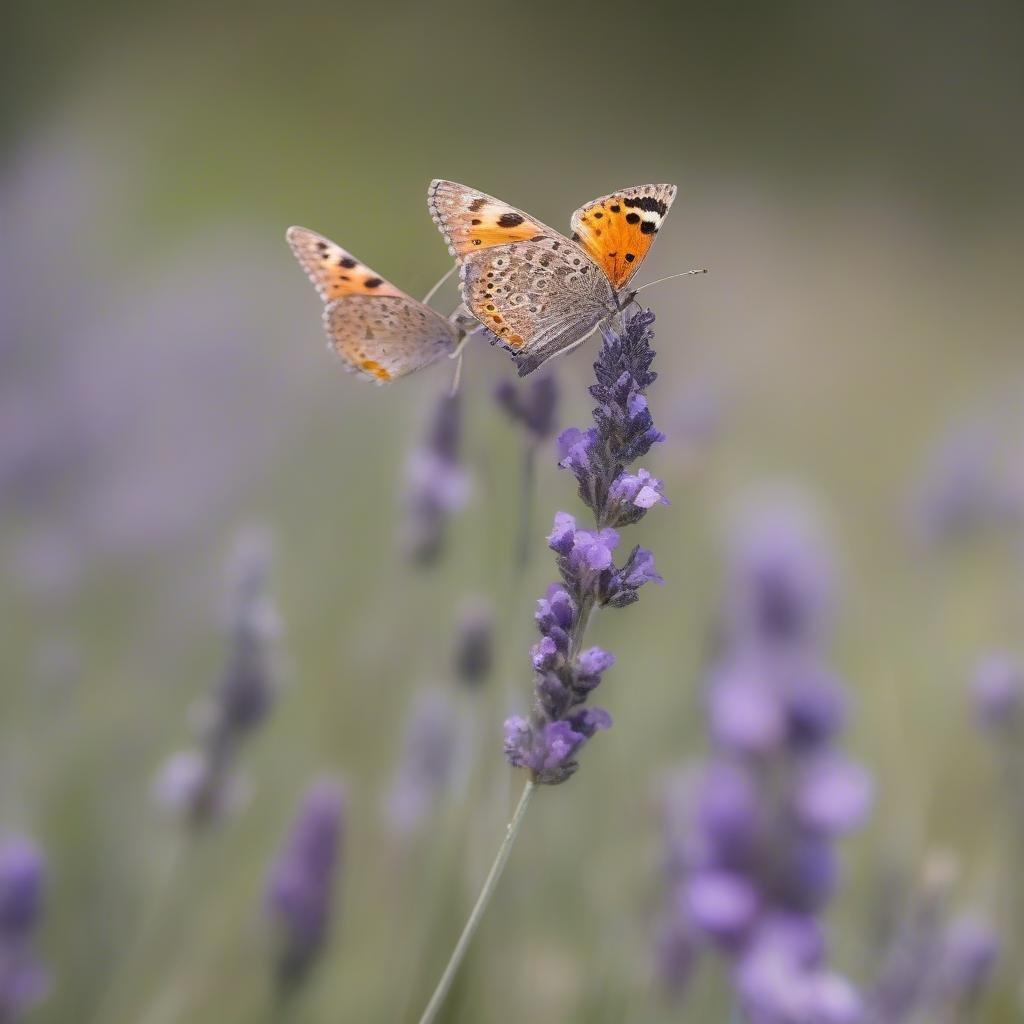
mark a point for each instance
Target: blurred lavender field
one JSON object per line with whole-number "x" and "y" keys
{"x": 262, "y": 624}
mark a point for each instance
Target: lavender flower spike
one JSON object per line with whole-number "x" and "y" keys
{"x": 202, "y": 785}
{"x": 436, "y": 483}
{"x": 23, "y": 981}
{"x": 754, "y": 861}
{"x": 299, "y": 889}
{"x": 548, "y": 742}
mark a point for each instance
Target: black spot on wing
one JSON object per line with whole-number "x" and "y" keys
{"x": 632, "y": 218}
{"x": 347, "y": 262}
{"x": 373, "y": 282}
{"x": 648, "y": 227}
{"x": 477, "y": 204}
{"x": 510, "y": 220}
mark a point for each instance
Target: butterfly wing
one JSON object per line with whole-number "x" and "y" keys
{"x": 379, "y": 331}
{"x": 470, "y": 220}
{"x": 334, "y": 271}
{"x": 619, "y": 229}
{"x": 540, "y": 298}
{"x": 537, "y": 291}
{"x": 384, "y": 337}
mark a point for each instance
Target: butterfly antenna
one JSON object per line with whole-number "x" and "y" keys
{"x": 433, "y": 291}
{"x": 671, "y": 277}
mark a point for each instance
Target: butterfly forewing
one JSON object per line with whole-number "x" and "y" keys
{"x": 619, "y": 229}
{"x": 470, "y": 220}
{"x": 380, "y": 332}
{"x": 333, "y": 271}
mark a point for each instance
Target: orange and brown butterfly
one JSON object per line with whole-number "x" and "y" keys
{"x": 541, "y": 293}
{"x": 380, "y": 332}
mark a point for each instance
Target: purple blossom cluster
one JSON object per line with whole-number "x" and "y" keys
{"x": 301, "y": 881}
{"x": 548, "y": 741}
{"x": 23, "y": 980}
{"x": 997, "y": 698}
{"x": 436, "y": 483}
{"x": 751, "y": 843}
{"x": 971, "y": 482}
{"x": 201, "y": 784}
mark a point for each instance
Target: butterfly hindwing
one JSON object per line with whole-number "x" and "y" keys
{"x": 539, "y": 298}
{"x": 385, "y": 337}
{"x": 619, "y": 229}
{"x": 380, "y": 332}
{"x": 333, "y": 271}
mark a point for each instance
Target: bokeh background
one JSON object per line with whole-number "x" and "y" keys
{"x": 850, "y": 173}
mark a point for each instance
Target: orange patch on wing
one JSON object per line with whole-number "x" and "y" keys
{"x": 372, "y": 366}
{"x": 618, "y": 230}
{"x": 471, "y": 220}
{"x": 334, "y": 271}
{"x": 485, "y": 236}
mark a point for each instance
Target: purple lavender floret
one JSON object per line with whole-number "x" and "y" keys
{"x": 23, "y": 980}
{"x": 997, "y": 692}
{"x": 548, "y": 741}
{"x": 533, "y": 404}
{"x": 756, "y": 861}
{"x": 301, "y": 880}
{"x": 474, "y": 647}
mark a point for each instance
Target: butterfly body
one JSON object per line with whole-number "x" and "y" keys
{"x": 540, "y": 293}
{"x": 380, "y": 333}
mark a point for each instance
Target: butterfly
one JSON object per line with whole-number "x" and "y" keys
{"x": 380, "y": 332}
{"x": 539, "y": 292}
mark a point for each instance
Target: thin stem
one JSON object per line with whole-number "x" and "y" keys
{"x": 476, "y": 915}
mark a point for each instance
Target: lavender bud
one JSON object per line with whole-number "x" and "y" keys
{"x": 301, "y": 880}
{"x": 474, "y": 649}
{"x": 721, "y": 904}
{"x": 22, "y": 878}
{"x": 969, "y": 955}
{"x": 23, "y": 980}
{"x": 781, "y": 581}
{"x": 562, "y": 537}
{"x": 246, "y": 690}
{"x": 832, "y": 795}
{"x": 436, "y": 484}
{"x": 815, "y": 707}
{"x": 426, "y": 768}
{"x": 191, "y": 789}
{"x": 533, "y": 404}
{"x": 728, "y": 813}
{"x": 744, "y": 711}
{"x": 997, "y": 692}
